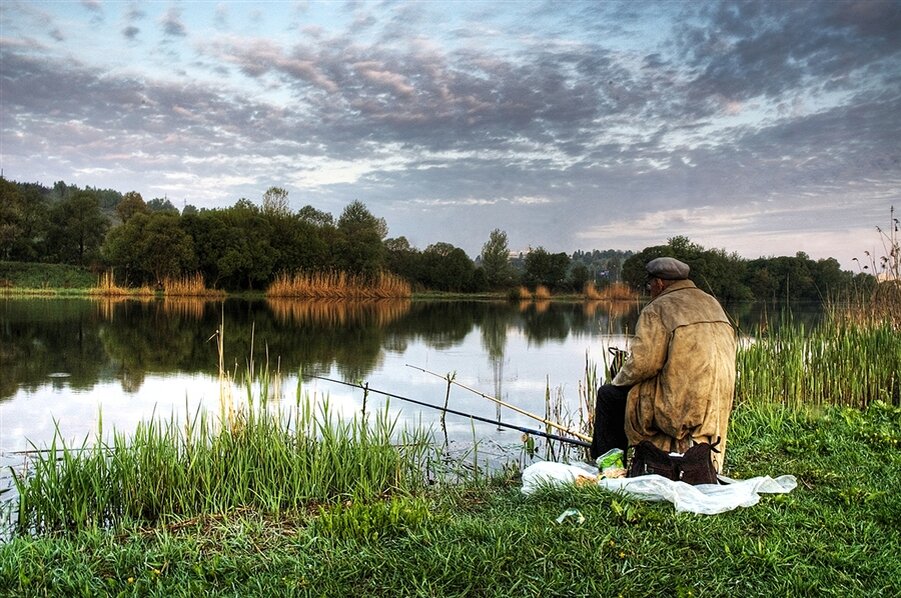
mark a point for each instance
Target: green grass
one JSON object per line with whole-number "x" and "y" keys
{"x": 837, "y": 534}
{"x": 25, "y": 277}
{"x": 839, "y": 362}
{"x": 270, "y": 461}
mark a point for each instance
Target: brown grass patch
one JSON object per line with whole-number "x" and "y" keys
{"x": 523, "y": 294}
{"x": 542, "y": 292}
{"x": 339, "y": 285}
{"x": 189, "y": 285}
{"x": 107, "y": 287}
{"x": 616, "y": 291}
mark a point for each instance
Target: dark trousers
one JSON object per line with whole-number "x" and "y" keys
{"x": 609, "y": 420}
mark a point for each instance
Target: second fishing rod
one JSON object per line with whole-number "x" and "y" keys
{"x": 367, "y": 388}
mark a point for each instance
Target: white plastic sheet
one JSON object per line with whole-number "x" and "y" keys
{"x": 705, "y": 499}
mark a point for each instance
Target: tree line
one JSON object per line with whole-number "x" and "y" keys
{"x": 245, "y": 246}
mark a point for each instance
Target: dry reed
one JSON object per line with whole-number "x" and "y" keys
{"x": 189, "y": 285}
{"x": 523, "y": 294}
{"x": 107, "y": 287}
{"x": 339, "y": 285}
{"x": 542, "y": 292}
{"x": 616, "y": 291}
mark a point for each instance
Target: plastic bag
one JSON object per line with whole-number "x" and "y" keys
{"x": 705, "y": 499}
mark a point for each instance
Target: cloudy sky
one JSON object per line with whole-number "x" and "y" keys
{"x": 763, "y": 128}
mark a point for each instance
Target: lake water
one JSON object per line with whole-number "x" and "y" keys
{"x": 67, "y": 364}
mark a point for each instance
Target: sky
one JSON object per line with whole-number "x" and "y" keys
{"x": 762, "y": 128}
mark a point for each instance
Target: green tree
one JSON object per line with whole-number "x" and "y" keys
{"x": 275, "y": 202}
{"x": 299, "y": 245}
{"x": 545, "y": 268}
{"x": 12, "y": 215}
{"x": 150, "y": 247}
{"x": 403, "y": 259}
{"x": 161, "y": 204}
{"x": 359, "y": 248}
{"x": 578, "y": 276}
{"x": 248, "y": 258}
{"x": 77, "y": 228}
{"x": 496, "y": 260}
{"x": 714, "y": 271}
{"x": 165, "y": 248}
{"x": 208, "y": 230}
{"x": 447, "y": 268}
{"x": 132, "y": 203}
{"x": 317, "y": 217}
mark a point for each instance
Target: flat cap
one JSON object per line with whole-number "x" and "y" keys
{"x": 667, "y": 268}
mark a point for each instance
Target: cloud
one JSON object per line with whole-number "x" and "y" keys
{"x": 132, "y": 16}
{"x": 94, "y": 9}
{"x": 131, "y": 32}
{"x": 172, "y": 23}
{"x": 551, "y": 122}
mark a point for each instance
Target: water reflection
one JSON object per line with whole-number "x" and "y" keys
{"x": 329, "y": 313}
{"x": 124, "y": 340}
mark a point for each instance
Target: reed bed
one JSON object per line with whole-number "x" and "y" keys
{"x": 840, "y": 362}
{"x": 616, "y": 291}
{"x": 189, "y": 285}
{"x": 339, "y": 285}
{"x": 542, "y": 292}
{"x": 107, "y": 287}
{"x": 257, "y": 458}
{"x": 521, "y": 293}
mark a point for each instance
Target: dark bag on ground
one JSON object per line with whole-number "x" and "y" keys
{"x": 695, "y": 466}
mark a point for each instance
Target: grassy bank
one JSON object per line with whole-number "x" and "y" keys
{"x": 836, "y": 534}
{"x": 20, "y": 277}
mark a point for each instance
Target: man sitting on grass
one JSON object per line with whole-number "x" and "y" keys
{"x": 675, "y": 389}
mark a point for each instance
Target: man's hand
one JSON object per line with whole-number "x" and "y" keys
{"x": 618, "y": 358}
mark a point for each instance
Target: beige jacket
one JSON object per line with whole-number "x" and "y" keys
{"x": 682, "y": 372}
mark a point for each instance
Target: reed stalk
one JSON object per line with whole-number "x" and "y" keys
{"x": 189, "y": 285}
{"x": 107, "y": 287}
{"x": 851, "y": 360}
{"x": 339, "y": 285}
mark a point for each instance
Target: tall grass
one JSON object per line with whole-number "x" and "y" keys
{"x": 269, "y": 460}
{"x": 188, "y": 285}
{"x": 339, "y": 285}
{"x": 107, "y": 287}
{"x": 852, "y": 358}
{"x": 616, "y": 291}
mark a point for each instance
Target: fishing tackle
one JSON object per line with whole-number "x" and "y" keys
{"x": 367, "y": 388}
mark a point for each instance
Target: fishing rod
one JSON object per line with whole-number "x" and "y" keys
{"x": 367, "y": 388}
{"x": 504, "y": 404}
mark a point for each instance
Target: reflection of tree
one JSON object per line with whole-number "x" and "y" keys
{"x": 127, "y": 340}
{"x": 439, "y": 324}
{"x": 494, "y": 341}
{"x": 547, "y": 322}
{"x": 610, "y": 314}
{"x": 39, "y": 337}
